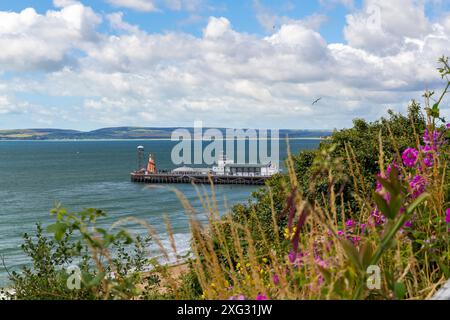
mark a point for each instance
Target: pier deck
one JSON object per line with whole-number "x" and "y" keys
{"x": 197, "y": 178}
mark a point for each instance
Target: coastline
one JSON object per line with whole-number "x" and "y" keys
{"x": 147, "y": 139}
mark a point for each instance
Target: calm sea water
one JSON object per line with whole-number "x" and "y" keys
{"x": 34, "y": 175}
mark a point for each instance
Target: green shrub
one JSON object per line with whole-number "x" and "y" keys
{"x": 110, "y": 265}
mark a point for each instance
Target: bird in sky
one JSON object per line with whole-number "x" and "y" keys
{"x": 317, "y": 100}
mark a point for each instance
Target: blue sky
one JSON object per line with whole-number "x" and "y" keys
{"x": 93, "y": 63}
{"x": 243, "y": 14}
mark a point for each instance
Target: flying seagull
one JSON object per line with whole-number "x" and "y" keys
{"x": 315, "y": 101}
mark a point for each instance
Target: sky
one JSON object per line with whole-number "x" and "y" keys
{"x": 252, "y": 63}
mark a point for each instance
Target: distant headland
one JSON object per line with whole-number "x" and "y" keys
{"x": 136, "y": 133}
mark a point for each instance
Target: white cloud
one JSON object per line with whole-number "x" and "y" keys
{"x": 154, "y": 5}
{"x": 251, "y": 89}
{"x": 383, "y": 26}
{"x": 10, "y": 106}
{"x": 116, "y": 21}
{"x": 217, "y": 27}
{"x": 5, "y": 105}
{"x": 30, "y": 40}
{"x": 331, "y": 3}
{"x": 188, "y": 5}
{"x": 138, "y": 5}
{"x": 271, "y": 21}
{"x": 64, "y": 3}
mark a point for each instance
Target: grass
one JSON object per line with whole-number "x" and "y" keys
{"x": 325, "y": 253}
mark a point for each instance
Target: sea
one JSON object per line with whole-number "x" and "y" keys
{"x": 35, "y": 176}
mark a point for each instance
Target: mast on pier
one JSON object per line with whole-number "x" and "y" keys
{"x": 140, "y": 158}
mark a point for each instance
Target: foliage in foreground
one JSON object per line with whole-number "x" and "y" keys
{"x": 81, "y": 261}
{"x": 366, "y": 224}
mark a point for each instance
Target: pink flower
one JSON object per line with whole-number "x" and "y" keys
{"x": 428, "y": 156}
{"x": 447, "y": 215}
{"x": 387, "y": 197}
{"x": 354, "y": 239}
{"x": 261, "y": 297}
{"x": 363, "y": 227}
{"x": 321, "y": 262}
{"x": 417, "y": 184}
{"x": 349, "y": 223}
{"x": 296, "y": 258}
{"x": 321, "y": 280}
{"x": 431, "y": 138}
{"x": 428, "y": 160}
{"x": 427, "y": 149}
{"x": 393, "y": 165}
{"x": 275, "y": 279}
{"x": 379, "y": 186}
{"x": 390, "y": 167}
{"x": 292, "y": 256}
{"x": 409, "y": 157}
{"x": 376, "y": 218}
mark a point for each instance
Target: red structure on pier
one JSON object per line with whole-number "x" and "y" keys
{"x": 151, "y": 166}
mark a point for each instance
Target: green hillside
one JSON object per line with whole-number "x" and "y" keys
{"x": 125, "y": 133}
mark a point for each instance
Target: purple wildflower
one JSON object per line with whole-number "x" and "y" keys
{"x": 428, "y": 160}
{"x": 447, "y": 126}
{"x": 321, "y": 262}
{"x": 292, "y": 256}
{"x": 275, "y": 279}
{"x": 390, "y": 167}
{"x": 296, "y": 258}
{"x": 431, "y": 138}
{"x": 363, "y": 227}
{"x": 354, "y": 239}
{"x": 321, "y": 280}
{"x": 447, "y": 216}
{"x": 428, "y": 157}
{"x": 379, "y": 186}
{"x": 376, "y": 218}
{"x": 387, "y": 197}
{"x": 409, "y": 157}
{"x": 408, "y": 224}
{"x": 417, "y": 184}
{"x": 237, "y": 297}
{"x": 350, "y": 223}
{"x": 393, "y": 165}
{"x": 261, "y": 297}
{"x": 427, "y": 149}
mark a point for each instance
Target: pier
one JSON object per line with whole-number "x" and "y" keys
{"x": 226, "y": 172}
{"x": 197, "y": 178}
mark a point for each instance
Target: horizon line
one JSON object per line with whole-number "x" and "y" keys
{"x": 165, "y": 127}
